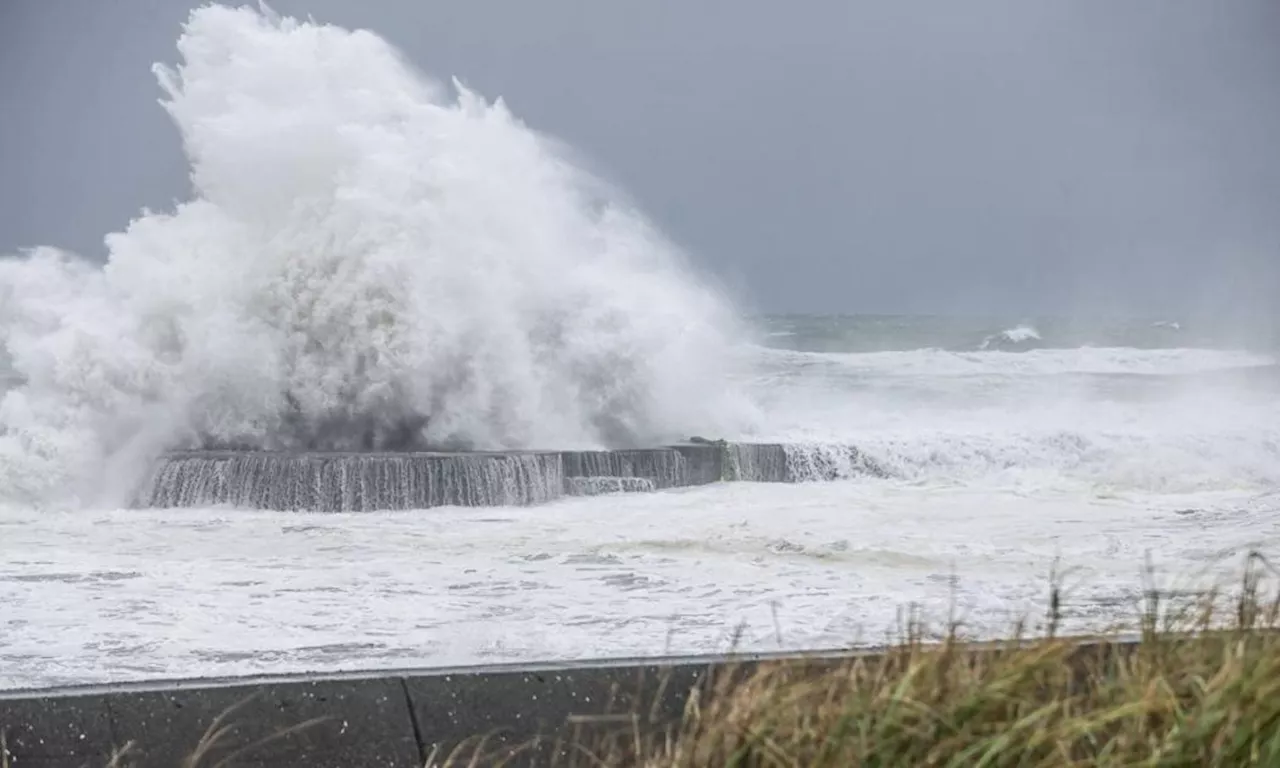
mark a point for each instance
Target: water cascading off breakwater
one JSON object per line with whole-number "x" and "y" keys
{"x": 356, "y": 482}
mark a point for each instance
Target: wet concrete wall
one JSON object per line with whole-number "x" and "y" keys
{"x": 347, "y": 482}
{"x": 313, "y": 723}
{"x": 396, "y": 719}
{"x": 354, "y": 482}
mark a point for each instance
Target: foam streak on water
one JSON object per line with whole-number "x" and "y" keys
{"x": 598, "y": 486}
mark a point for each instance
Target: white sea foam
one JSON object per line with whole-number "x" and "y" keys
{"x": 101, "y": 596}
{"x": 1021, "y": 333}
{"x": 1080, "y": 420}
{"x": 366, "y": 249}
{"x": 1036, "y": 362}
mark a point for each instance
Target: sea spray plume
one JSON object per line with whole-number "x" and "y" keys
{"x": 367, "y": 261}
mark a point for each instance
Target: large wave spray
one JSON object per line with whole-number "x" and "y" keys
{"x": 369, "y": 259}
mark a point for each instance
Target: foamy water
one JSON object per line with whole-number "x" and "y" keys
{"x": 985, "y": 504}
{"x": 371, "y": 255}
{"x": 97, "y": 596}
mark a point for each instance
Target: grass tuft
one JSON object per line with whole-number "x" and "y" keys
{"x": 1198, "y": 686}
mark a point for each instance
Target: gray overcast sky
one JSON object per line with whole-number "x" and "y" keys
{"x": 831, "y": 155}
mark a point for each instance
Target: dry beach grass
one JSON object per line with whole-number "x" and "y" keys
{"x": 1198, "y": 686}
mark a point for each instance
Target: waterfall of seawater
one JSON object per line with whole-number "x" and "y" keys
{"x": 829, "y": 461}
{"x": 756, "y": 462}
{"x": 353, "y": 482}
{"x": 797, "y": 462}
{"x": 665, "y": 468}
{"x": 348, "y": 482}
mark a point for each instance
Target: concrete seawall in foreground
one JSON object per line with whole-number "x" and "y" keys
{"x": 353, "y": 482}
{"x": 388, "y": 720}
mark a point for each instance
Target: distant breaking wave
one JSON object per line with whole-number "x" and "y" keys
{"x": 1018, "y": 337}
{"x": 1060, "y": 420}
{"x": 368, "y": 261}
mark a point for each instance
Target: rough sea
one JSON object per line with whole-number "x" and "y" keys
{"x": 365, "y": 245}
{"x": 1013, "y": 455}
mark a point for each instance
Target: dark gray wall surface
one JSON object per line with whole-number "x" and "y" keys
{"x": 316, "y": 723}
{"x": 348, "y": 723}
{"x": 59, "y": 731}
{"x": 398, "y": 719}
{"x": 556, "y": 708}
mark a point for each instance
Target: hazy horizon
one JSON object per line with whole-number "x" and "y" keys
{"x": 1000, "y": 158}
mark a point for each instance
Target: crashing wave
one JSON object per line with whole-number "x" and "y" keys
{"x": 1018, "y": 338}
{"x": 370, "y": 260}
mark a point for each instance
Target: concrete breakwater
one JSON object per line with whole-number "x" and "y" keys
{"x": 396, "y": 718}
{"x": 354, "y": 482}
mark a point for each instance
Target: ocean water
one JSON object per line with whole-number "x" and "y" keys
{"x": 370, "y": 253}
{"x": 1006, "y": 466}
